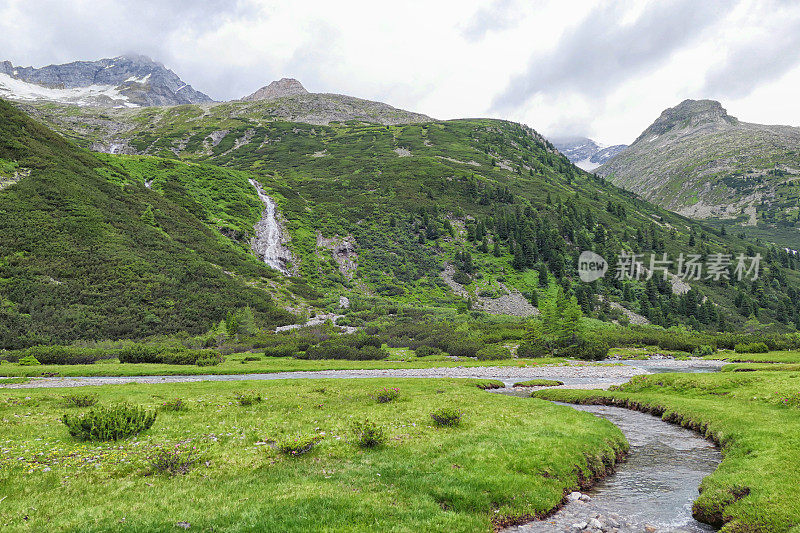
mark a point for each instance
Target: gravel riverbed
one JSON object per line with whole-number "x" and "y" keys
{"x": 575, "y": 375}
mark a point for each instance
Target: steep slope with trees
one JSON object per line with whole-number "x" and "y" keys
{"x": 88, "y": 253}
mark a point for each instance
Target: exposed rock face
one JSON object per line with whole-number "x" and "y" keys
{"x": 125, "y": 81}
{"x": 701, "y": 162}
{"x": 277, "y": 89}
{"x": 586, "y": 153}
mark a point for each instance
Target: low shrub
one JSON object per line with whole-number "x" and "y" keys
{"x": 446, "y": 417}
{"x": 464, "y": 348}
{"x": 246, "y": 399}
{"x": 294, "y": 446}
{"x": 173, "y": 460}
{"x": 425, "y": 351}
{"x": 80, "y": 400}
{"x": 109, "y": 423}
{"x": 588, "y": 349}
{"x": 174, "y": 405}
{"x": 282, "y": 350}
{"x": 493, "y": 353}
{"x": 751, "y": 347}
{"x": 209, "y": 359}
{"x": 354, "y": 347}
{"x": 367, "y": 434}
{"x": 60, "y": 355}
{"x": 386, "y": 394}
{"x": 169, "y": 355}
{"x": 29, "y": 360}
{"x": 703, "y": 349}
{"x": 533, "y": 349}
{"x": 250, "y": 358}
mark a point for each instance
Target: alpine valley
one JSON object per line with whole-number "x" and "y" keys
{"x": 124, "y": 219}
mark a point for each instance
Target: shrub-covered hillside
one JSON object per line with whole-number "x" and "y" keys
{"x": 492, "y": 199}
{"x": 457, "y": 214}
{"x": 83, "y": 256}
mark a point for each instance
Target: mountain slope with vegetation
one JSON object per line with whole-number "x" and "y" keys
{"x": 701, "y": 162}
{"x": 88, "y": 252}
{"x": 452, "y": 214}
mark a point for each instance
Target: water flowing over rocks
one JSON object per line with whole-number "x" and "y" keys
{"x": 651, "y": 492}
{"x": 269, "y": 242}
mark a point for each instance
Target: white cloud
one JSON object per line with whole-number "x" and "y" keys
{"x": 563, "y": 66}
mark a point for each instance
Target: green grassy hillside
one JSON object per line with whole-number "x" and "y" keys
{"x": 464, "y": 214}
{"x": 85, "y": 256}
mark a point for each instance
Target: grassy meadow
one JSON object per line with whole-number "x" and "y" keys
{"x": 509, "y": 459}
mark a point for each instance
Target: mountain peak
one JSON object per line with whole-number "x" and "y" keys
{"x": 690, "y": 114}
{"x": 124, "y": 81}
{"x": 277, "y": 89}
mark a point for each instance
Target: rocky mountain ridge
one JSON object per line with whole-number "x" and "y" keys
{"x": 124, "y": 81}
{"x": 586, "y": 153}
{"x": 277, "y": 89}
{"x": 701, "y": 162}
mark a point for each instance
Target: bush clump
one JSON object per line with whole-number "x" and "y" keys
{"x": 493, "y": 353}
{"x": 386, "y": 394}
{"x": 109, "y": 423}
{"x": 367, "y": 434}
{"x": 29, "y": 360}
{"x": 589, "y": 350}
{"x": 246, "y": 399}
{"x": 169, "y": 355}
{"x": 174, "y": 460}
{"x": 703, "y": 349}
{"x": 80, "y": 400}
{"x": 175, "y": 405}
{"x": 353, "y": 347}
{"x": 751, "y": 347}
{"x": 61, "y": 355}
{"x": 425, "y": 351}
{"x": 294, "y": 446}
{"x": 446, "y": 417}
{"x": 533, "y": 348}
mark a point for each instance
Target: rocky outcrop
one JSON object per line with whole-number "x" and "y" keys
{"x": 277, "y": 89}
{"x": 343, "y": 251}
{"x": 124, "y": 81}
{"x": 511, "y": 303}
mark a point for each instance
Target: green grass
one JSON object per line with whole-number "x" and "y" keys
{"x": 13, "y": 381}
{"x": 509, "y": 458}
{"x": 539, "y": 383}
{"x": 234, "y": 365}
{"x": 755, "y": 416}
{"x": 769, "y": 357}
{"x": 787, "y": 356}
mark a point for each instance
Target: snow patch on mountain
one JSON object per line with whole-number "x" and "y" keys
{"x": 16, "y": 89}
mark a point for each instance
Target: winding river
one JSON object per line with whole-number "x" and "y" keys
{"x": 652, "y": 491}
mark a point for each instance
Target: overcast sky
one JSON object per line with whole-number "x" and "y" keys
{"x": 565, "y": 67}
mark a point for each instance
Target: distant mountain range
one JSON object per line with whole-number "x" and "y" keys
{"x": 125, "y": 81}
{"x": 586, "y": 153}
{"x": 699, "y": 161}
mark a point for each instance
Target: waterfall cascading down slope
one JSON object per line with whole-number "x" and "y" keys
{"x": 268, "y": 242}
